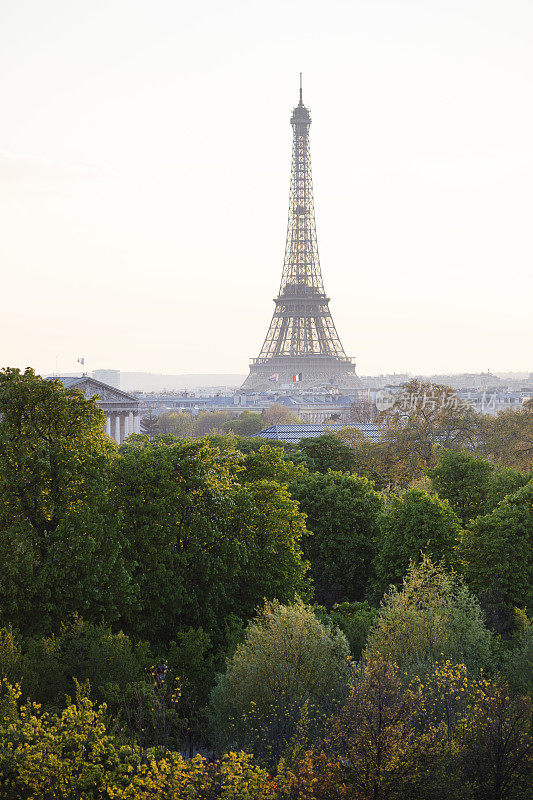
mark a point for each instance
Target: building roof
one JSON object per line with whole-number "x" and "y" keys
{"x": 86, "y": 383}
{"x": 66, "y": 380}
{"x": 292, "y": 434}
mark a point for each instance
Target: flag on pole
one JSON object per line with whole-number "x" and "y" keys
{"x": 81, "y": 360}
{"x": 297, "y": 378}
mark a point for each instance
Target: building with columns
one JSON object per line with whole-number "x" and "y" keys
{"x": 122, "y": 410}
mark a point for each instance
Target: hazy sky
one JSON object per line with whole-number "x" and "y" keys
{"x": 144, "y": 177}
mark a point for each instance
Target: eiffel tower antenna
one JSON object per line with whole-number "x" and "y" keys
{"x": 302, "y": 344}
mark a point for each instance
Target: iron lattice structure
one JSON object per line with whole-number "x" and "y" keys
{"x": 302, "y": 338}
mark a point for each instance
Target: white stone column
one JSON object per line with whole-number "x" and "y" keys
{"x": 116, "y": 437}
{"x": 137, "y": 419}
{"x": 131, "y": 423}
{"x": 126, "y": 425}
{"x": 108, "y": 425}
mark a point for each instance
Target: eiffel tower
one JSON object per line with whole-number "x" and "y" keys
{"x": 302, "y": 346}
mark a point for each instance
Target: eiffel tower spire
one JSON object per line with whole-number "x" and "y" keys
{"x": 302, "y": 340}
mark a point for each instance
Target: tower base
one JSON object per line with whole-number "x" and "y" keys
{"x": 317, "y": 372}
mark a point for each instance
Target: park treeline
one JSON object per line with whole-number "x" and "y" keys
{"x": 189, "y": 426}
{"x": 220, "y": 618}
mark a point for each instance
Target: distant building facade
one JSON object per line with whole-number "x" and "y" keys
{"x": 122, "y": 410}
{"x": 316, "y": 407}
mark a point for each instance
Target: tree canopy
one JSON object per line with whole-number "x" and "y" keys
{"x": 415, "y": 523}
{"x": 167, "y": 579}
{"x": 472, "y": 485}
{"x": 343, "y": 514}
{"x": 193, "y": 533}
{"x": 326, "y": 452}
{"x": 496, "y": 557}
{"x": 59, "y": 548}
{"x": 432, "y": 617}
{"x": 52, "y": 454}
{"x": 288, "y": 661}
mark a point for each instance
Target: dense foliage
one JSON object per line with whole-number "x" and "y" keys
{"x": 472, "y": 485}
{"x": 288, "y": 663}
{"x": 432, "y": 616}
{"x": 343, "y": 513}
{"x": 415, "y": 523}
{"x": 200, "y": 533}
{"x": 343, "y": 619}
{"x": 496, "y": 555}
{"x": 245, "y": 423}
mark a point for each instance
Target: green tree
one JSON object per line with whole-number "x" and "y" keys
{"x": 288, "y": 659}
{"x": 433, "y": 616}
{"x": 496, "y": 557}
{"x": 246, "y": 424}
{"x": 472, "y": 485}
{"x": 343, "y": 513}
{"x": 191, "y": 657}
{"x": 354, "y": 619}
{"x": 83, "y": 571}
{"x": 210, "y": 421}
{"x": 11, "y": 660}
{"x": 503, "y": 483}
{"x": 247, "y": 445}
{"x": 277, "y": 533}
{"x": 517, "y": 660}
{"x": 59, "y": 548}
{"x": 193, "y": 533}
{"x": 184, "y": 539}
{"x": 176, "y": 423}
{"x": 326, "y": 452}
{"x": 149, "y": 424}
{"x": 269, "y": 463}
{"x": 415, "y": 522}
{"x": 464, "y": 480}
{"x": 53, "y": 455}
{"x": 82, "y": 651}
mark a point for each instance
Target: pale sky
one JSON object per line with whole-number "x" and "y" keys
{"x": 144, "y": 178}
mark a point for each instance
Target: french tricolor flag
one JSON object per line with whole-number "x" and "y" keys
{"x": 297, "y": 378}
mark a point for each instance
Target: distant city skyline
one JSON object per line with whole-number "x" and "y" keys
{"x": 161, "y": 382}
{"x": 144, "y": 175}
